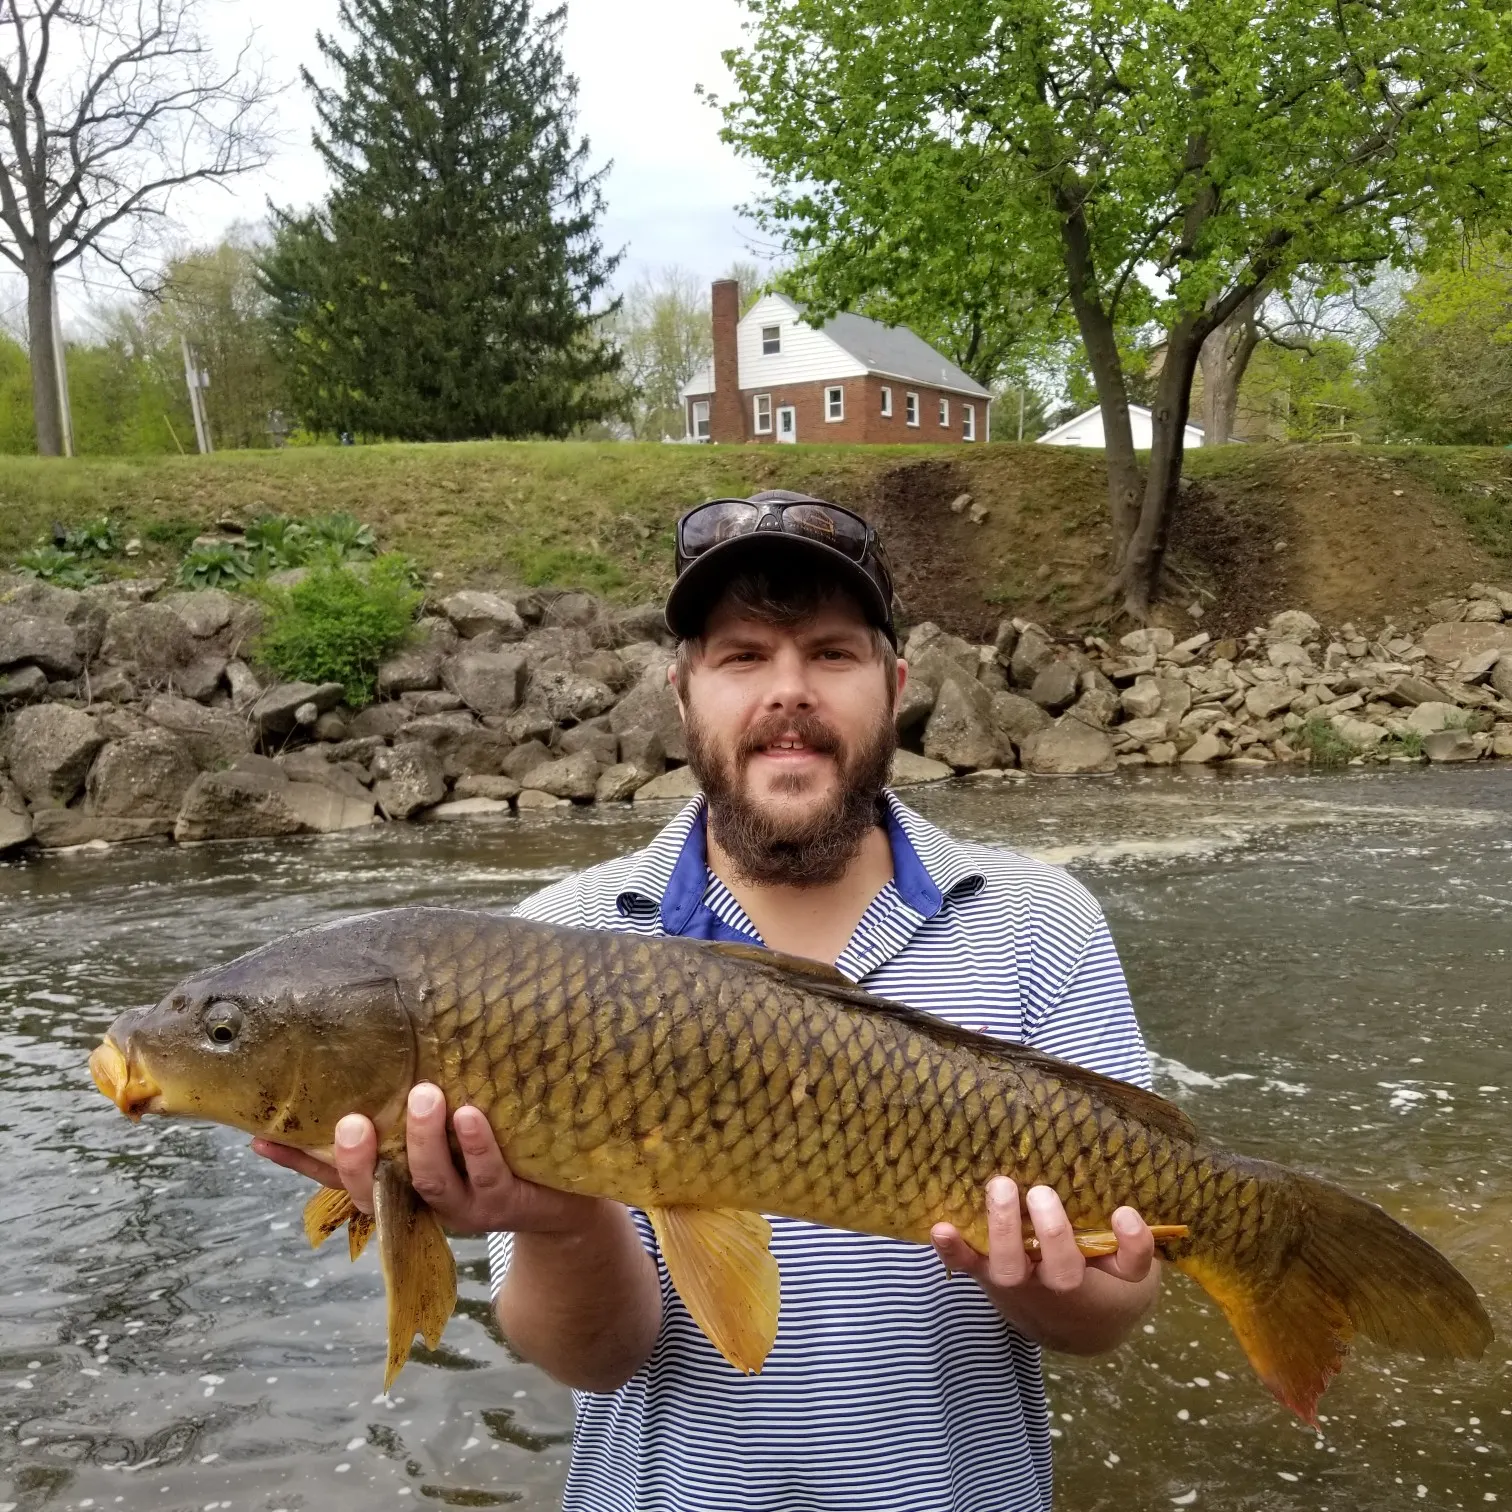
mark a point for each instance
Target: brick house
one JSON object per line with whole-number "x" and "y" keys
{"x": 776, "y": 378}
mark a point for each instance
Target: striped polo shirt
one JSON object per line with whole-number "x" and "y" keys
{"x": 890, "y": 1385}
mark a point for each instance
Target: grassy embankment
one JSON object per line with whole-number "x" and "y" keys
{"x": 1346, "y": 532}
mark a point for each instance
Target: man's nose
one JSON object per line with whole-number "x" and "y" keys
{"x": 790, "y": 686}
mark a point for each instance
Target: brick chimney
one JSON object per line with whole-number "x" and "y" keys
{"x": 727, "y": 416}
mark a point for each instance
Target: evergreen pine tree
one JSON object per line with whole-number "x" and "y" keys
{"x": 446, "y": 288}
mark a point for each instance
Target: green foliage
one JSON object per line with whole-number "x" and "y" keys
{"x": 217, "y": 564}
{"x": 276, "y": 542}
{"x": 177, "y": 534}
{"x": 1324, "y": 745}
{"x": 1321, "y": 389}
{"x": 62, "y": 569}
{"x": 94, "y": 538}
{"x": 338, "y": 625}
{"x": 1443, "y": 372}
{"x": 664, "y": 333}
{"x": 1409, "y": 744}
{"x": 447, "y": 287}
{"x": 340, "y": 537}
{"x": 567, "y": 567}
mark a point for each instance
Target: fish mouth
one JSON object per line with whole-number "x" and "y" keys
{"x": 127, "y": 1086}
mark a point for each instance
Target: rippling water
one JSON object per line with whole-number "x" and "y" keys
{"x": 1322, "y": 966}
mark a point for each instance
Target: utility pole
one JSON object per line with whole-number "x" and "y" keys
{"x": 60, "y": 362}
{"x": 197, "y": 381}
{"x": 1021, "y": 412}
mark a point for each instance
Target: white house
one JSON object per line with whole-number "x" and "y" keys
{"x": 1087, "y": 430}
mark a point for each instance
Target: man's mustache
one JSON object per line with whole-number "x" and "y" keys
{"x": 808, "y": 728}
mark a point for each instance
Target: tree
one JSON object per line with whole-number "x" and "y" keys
{"x": 1142, "y": 161}
{"x": 1442, "y": 372}
{"x": 108, "y": 106}
{"x": 447, "y": 288}
{"x": 665, "y": 335}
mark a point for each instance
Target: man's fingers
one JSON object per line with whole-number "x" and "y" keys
{"x": 356, "y": 1153}
{"x": 1136, "y": 1247}
{"x": 433, "y": 1173}
{"x": 486, "y": 1170}
{"x": 297, "y": 1160}
{"x": 1008, "y": 1263}
{"x": 957, "y": 1255}
{"x": 1061, "y": 1265}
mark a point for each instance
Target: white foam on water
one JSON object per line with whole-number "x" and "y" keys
{"x": 1108, "y": 852}
{"x": 1191, "y": 1080}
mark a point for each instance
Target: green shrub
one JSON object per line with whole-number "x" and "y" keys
{"x": 177, "y": 534}
{"x": 567, "y": 567}
{"x": 337, "y": 625}
{"x": 277, "y": 542}
{"x": 340, "y": 537}
{"x": 222, "y": 564}
{"x": 1324, "y": 745}
{"x": 94, "y": 538}
{"x": 1408, "y": 743}
{"x": 60, "y": 568}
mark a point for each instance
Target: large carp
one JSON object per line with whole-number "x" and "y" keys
{"x": 708, "y": 1084}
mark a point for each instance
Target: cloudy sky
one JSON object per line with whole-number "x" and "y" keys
{"x": 674, "y": 190}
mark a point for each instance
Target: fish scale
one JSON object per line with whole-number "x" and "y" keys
{"x": 709, "y": 1084}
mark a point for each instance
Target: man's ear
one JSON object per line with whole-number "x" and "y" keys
{"x": 682, "y": 708}
{"x": 902, "y": 678}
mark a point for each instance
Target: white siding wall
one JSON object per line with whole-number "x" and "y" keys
{"x": 807, "y": 356}
{"x": 1087, "y": 430}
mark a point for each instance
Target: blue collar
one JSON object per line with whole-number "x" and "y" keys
{"x": 673, "y": 871}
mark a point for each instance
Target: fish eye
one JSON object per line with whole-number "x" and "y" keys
{"x": 223, "y": 1023}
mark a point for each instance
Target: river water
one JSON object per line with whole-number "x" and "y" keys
{"x": 1323, "y": 967}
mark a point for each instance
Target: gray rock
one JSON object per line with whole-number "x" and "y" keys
{"x": 490, "y": 682}
{"x": 1208, "y": 746}
{"x": 466, "y": 808}
{"x": 534, "y": 798}
{"x": 1486, "y": 611}
{"x": 201, "y": 678}
{"x": 617, "y": 783}
{"x": 15, "y": 822}
{"x": 557, "y": 648}
{"x": 1359, "y": 733}
{"x": 475, "y": 613}
{"x": 929, "y": 637}
{"x": 1033, "y": 653}
{"x": 322, "y": 809}
{"x": 1055, "y": 686}
{"x": 1153, "y": 638}
{"x": 908, "y": 770}
{"x": 914, "y": 704}
{"x": 1408, "y": 692}
{"x": 1144, "y": 732}
{"x": 409, "y": 778}
{"x": 243, "y": 683}
{"x": 110, "y": 685}
{"x": 414, "y": 671}
{"x": 276, "y": 711}
{"x": 436, "y": 701}
{"x": 1449, "y": 642}
{"x": 1068, "y": 748}
{"x": 378, "y": 721}
{"x": 1293, "y": 625}
{"x": 1142, "y": 699}
{"x": 525, "y": 757}
{"x": 569, "y": 697}
{"x": 50, "y": 749}
{"x": 461, "y": 745}
{"x": 609, "y": 668}
{"x": 23, "y": 685}
{"x": 677, "y": 785}
{"x": 59, "y": 828}
{"x": 151, "y": 639}
{"x": 601, "y": 744}
{"x": 1018, "y": 717}
{"x": 142, "y": 777}
{"x": 959, "y": 733}
{"x": 1175, "y": 697}
{"x": 1426, "y": 718}
{"x": 642, "y": 749}
{"x": 650, "y": 708}
{"x": 574, "y": 777}
{"x": 477, "y": 785}
{"x": 205, "y": 612}
{"x": 1004, "y": 641}
{"x": 238, "y": 804}
{"x": 331, "y": 726}
{"x": 214, "y": 737}
{"x": 1451, "y": 745}
{"x": 49, "y": 644}
{"x": 311, "y": 765}
{"x": 1501, "y": 676}
{"x": 1095, "y": 707}
{"x": 1266, "y": 700}
{"x": 525, "y": 725}
{"x": 578, "y": 610}
{"x": 645, "y": 622}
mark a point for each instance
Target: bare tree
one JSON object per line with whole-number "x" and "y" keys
{"x": 107, "y": 107}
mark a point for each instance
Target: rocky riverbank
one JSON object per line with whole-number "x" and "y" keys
{"x": 130, "y": 712}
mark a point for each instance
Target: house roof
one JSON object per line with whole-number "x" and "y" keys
{"x": 888, "y": 351}
{"x": 1052, "y": 436}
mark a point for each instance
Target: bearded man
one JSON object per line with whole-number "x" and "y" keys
{"x": 890, "y": 1385}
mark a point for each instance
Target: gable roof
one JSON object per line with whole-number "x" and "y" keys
{"x": 1136, "y": 411}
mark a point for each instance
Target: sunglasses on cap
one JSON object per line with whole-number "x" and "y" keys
{"x": 721, "y": 520}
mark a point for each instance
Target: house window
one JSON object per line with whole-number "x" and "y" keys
{"x": 701, "y": 419}
{"x": 886, "y": 403}
{"x": 968, "y": 422}
{"x": 771, "y": 341}
{"x": 945, "y": 412}
{"x": 834, "y": 404}
{"x": 911, "y": 408}
{"x": 763, "y": 414}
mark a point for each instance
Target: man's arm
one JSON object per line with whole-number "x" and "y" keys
{"x": 581, "y": 1298}
{"x": 1061, "y": 1300}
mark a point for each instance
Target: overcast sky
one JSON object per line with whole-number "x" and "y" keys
{"x": 673, "y": 193}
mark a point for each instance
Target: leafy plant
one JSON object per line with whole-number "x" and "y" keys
{"x": 337, "y": 625}
{"x": 277, "y": 542}
{"x": 95, "y": 538}
{"x": 222, "y": 564}
{"x": 342, "y": 536}
{"x": 176, "y": 534}
{"x": 1324, "y": 745}
{"x": 1408, "y": 743}
{"x": 60, "y": 568}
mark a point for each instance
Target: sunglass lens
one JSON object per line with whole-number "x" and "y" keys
{"x": 832, "y": 526}
{"x": 716, "y": 522}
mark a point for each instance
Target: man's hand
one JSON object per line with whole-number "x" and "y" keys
{"x": 488, "y": 1197}
{"x": 1060, "y": 1298}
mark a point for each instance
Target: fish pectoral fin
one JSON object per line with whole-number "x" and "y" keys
{"x": 721, "y": 1263}
{"x": 325, "y": 1212}
{"x": 419, "y": 1272}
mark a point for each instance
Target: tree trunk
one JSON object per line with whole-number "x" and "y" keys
{"x": 1101, "y": 342}
{"x": 44, "y": 364}
{"x": 1140, "y": 578}
{"x": 1224, "y": 358}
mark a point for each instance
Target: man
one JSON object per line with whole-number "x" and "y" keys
{"x": 891, "y": 1385}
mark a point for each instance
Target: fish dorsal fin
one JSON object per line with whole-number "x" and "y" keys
{"x": 722, "y": 1266}
{"x": 1124, "y": 1098}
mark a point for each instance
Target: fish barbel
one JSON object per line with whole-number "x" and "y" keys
{"x": 708, "y": 1084}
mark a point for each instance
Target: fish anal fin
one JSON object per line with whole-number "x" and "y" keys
{"x": 325, "y": 1212}
{"x": 721, "y": 1263}
{"x": 419, "y": 1272}
{"x": 359, "y": 1231}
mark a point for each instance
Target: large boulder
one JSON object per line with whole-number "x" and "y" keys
{"x": 59, "y": 828}
{"x": 679, "y": 784}
{"x": 205, "y": 612}
{"x": 1055, "y": 686}
{"x": 1068, "y": 748}
{"x": 599, "y": 741}
{"x": 312, "y": 764}
{"x": 1152, "y": 638}
{"x": 474, "y": 613}
{"x": 142, "y": 777}
{"x": 50, "y": 749}
{"x": 276, "y": 711}
{"x": 461, "y": 744}
{"x": 568, "y": 697}
{"x": 908, "y": 770}
{"x": 201, "y": 679}
{"x": 914, "y": 704}
{"x": 50, "y": 644}
{"x": 497, "y": 788}
{"x": 1141, "y": 700}
{"x": 650, "y": 708}
{"x": 22, "y": 685}
{"x": 1032, "y": 653}
{"x": 150, "y": 639}
{"x": 488, "y": 682}
{"x": 213, "y": 737}
{"x": 574, "y": 777}
{"x": 1449, "y": 642}
{"x": 960, "y": 731}
{"x": 645, "y": 622}
{"x": 1428, "y": 717}
{"x": 1294, "y": 625}
{"x": 410, "y": 777}
{"x": 1451, "y": 745}
{"x": 1018, "y": 717}
{"x": 256, "y": 799}
{"x": 378, "y": 721}
{"x": 1407, "y": 692}
{"x": 413, "y": 671}
{"x": 15, "y": 822}
{"x": 928, "y": 636}
{"x": 1501, "y": 675}
{"x": 1266, "y": 700}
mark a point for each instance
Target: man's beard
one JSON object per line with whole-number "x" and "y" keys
{"x": 774, "y": 849}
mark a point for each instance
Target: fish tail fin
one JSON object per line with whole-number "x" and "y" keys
{"x": 419, "y": 1272}
{"x": 327, "y": 1210}
{"x": 1324, "y": 1267}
